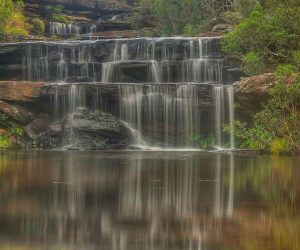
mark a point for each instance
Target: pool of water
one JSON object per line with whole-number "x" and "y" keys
{"x": 138, "y": 200}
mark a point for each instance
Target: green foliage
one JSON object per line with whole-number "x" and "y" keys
{"x": 37, "y": 26}
{"x": 252, "y": 64}
{"x": 10, "y": 132}
{"x": 276, "y": 128}
{"x": 55, "y": 14}
{"x": 60, "y": 18}
{"x": 245, "y": 7}
{"x": 177, "y": 17}
{"x": 204, "y": 142}
{"x": 12, "y": 20}
{"x": 273, "y": 32}
{"x": 285, "y": 70}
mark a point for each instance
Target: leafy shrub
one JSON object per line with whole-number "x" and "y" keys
{"x": 10, "y": 132}
{"x": 60, "y": 18}
{"x": 272, "y": 32}
{"x": 55, "y": 14}
{"x": 252, "y": 64}
{"x": 284, "y": 70}
{"x": 279, "y": 146}
{"x": 37, "y": 26}
{"x": 12, "y": 20}
{"x": 277, "y": 127}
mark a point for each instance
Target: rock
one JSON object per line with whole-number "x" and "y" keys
{"x": 90, "y": 9}
{"x": 222, "y": 28}
{"x": 39, "y": 125}
{"x": 42, "y": 134}
{"x": 95, "y": 130}
{"x": 254, "y": 89}
{"x": 20, "y": 91}
{"x": 251, "y": 92}
{"x": 17, "y": 113}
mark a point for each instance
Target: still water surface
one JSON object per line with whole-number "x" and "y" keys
{"x": 148, "y": 200}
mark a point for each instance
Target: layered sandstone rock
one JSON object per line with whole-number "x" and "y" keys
{"x": 20, "y": 91}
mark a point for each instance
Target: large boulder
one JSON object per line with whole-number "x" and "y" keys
{"x": 86, "y": 129}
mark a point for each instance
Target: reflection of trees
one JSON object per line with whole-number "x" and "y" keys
{"x": 271, "y": 183}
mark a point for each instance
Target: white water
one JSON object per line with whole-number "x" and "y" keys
{"x": 158, "y": 115}
{"x": 64, "y": 29}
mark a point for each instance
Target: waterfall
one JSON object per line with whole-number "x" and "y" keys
{"x": 230, "y": 93}
{"x": 164, "y": 115}
{"x": 173, "y": 92}
{"x": 219, "y": 106}
{"x": 64, "y": 29}
{"x": 224, "y": 109}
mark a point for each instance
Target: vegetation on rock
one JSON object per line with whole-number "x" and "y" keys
{"x": 276, "y": 128}
{"x": 10, "y": 133}
{"x": 12, "y": 19}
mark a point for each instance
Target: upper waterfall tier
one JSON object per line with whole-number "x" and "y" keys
{"x": 157, "y": 60}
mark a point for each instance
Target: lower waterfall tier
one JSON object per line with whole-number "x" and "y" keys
{"x": 156, "y": 116}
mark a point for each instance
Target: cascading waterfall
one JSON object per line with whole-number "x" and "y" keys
{"x": 162, "y": 98}
{"x": 64, "y": 29}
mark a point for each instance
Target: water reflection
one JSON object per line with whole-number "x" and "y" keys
{"x": 147, "y": 200}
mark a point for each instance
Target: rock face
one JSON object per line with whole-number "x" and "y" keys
{"x": 251, "y": 93}
{"x": 20, "y": 91}
{"x": 87, "y": 8}
{"x": 29, "y": 105}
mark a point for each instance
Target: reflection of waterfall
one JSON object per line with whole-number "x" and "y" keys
{"x": 230, "y": 94}
{"x": 101, "y": 200}
{"x": 231, "y": 187}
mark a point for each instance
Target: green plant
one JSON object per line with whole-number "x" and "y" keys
{"x": 276, "y": 128}
{"x": 204, "y": 142}
{"x": 37, "y": 26}
{"x": 60, "y": 18}
{"x": 12, "y": 19}
{"x": 284, "y": 70}
{"x": 252, "y": 64}
{"x": 271, "y": 30}
{"x": 279, "y": 146}
{"x": 10, "y": 132}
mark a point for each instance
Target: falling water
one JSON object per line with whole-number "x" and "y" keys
{"x": 230, "y": 94}
{"x": 161, "y": 85}
{"x": 219, "y": 106}
{"x": 64, "y": 29}
{"x": 164, "y": 115}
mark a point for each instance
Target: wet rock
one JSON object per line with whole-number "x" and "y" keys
{"x": 42, "y": 134}
{"x": 39, "y": 125}
{"x": 97, "y": 130}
